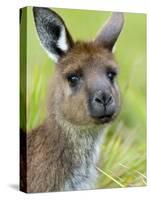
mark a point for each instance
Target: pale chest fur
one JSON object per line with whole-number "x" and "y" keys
{"x": 85, "y": 155}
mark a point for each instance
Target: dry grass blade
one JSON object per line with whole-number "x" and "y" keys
{"x": 110, "y": 177}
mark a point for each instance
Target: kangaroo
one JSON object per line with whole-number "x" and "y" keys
{"x": 83, "y": 97}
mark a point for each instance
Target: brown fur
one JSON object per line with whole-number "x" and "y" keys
{"x": 50, "y": 159}
{"x": 91, "y": 60}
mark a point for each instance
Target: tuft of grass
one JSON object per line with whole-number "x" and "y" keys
{"x": 123, "y": 159}
{"x": 36, "y": 95}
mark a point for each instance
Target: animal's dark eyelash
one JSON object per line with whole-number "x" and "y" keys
{"x": 75, "y": 73}
{"x": 112, "y": 70}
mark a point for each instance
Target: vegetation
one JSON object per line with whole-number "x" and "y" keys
{"x": 123, "y": 158}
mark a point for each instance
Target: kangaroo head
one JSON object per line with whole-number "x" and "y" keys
{"x": 86, "y": 90}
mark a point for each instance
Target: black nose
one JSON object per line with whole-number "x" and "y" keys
{"x": 103, "y": 98}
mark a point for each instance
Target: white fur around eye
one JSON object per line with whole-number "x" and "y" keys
{"x": 62, "y": 41}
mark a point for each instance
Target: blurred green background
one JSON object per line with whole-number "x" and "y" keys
{"x": 123, "y": 158}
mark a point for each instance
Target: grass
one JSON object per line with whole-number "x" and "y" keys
{"x": 123, "y": 156}
{"x": 123, "y": 159}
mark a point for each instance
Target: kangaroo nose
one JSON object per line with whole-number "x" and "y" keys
{"x": 103, "y": 98}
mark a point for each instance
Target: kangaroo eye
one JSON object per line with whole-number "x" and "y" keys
{"x": 111, "y": 76}
{"x": 73, "y": 79}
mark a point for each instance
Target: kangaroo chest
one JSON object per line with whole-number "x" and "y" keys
{"x": 85, "y": 155}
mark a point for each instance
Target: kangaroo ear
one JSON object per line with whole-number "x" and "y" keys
{"x": 52, "y": 32}
{"x": 110, "y": 31}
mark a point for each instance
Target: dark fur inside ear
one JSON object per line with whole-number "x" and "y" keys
{"x": 52, "y": 32}
{"x": 111, "y": 30}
